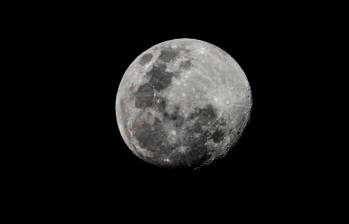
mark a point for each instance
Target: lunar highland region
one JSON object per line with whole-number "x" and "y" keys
{"x": 183, "y": 103}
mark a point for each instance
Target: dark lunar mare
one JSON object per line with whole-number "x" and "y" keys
{"x": 196, "y": 138}
{"x": 159, "y": 77}
{"x": 144, "y": 96}
{"x": 153, "y": 137}
{"x": 205, "y": 127}
{"x": 168, "y": 54}
{"x": 185, "y": 65}
{"x": 204, "y": 115}
{"x": 160, "y": 104}
{"x": 174, "y": 117}
{"x": 145, "y": 59}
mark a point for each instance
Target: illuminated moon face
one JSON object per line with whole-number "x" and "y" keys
{"x": 182, "y": 103}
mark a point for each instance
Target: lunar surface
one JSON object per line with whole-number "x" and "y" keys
{"x": 182, "y": 103}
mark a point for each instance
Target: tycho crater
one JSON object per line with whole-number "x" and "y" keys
{"x": 182, "y": 104}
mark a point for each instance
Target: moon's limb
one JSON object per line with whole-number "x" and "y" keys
{"x": 202, "y": 77}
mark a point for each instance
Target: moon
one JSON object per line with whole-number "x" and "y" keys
{"x": 183, "y": 103}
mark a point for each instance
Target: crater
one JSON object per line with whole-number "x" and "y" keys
{"x": 218, "y": 136}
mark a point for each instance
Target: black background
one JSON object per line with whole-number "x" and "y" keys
{"x": 84, "y": 52}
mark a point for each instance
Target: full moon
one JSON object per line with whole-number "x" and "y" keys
{"x": 183, "y": 103}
